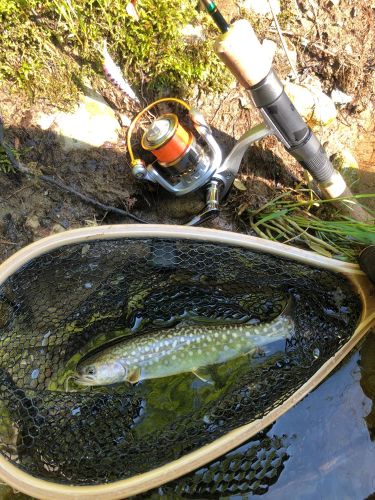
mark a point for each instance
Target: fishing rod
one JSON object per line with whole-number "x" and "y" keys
{"x": 188, "y": 158}
{"x": 216, "y": 15}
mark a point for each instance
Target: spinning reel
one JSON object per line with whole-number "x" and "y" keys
{"x": 186, "y": 159}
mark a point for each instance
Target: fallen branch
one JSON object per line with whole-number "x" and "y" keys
{"x": 49, "y": 179}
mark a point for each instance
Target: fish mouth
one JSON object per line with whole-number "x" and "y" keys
{"x": 83, "y": 380}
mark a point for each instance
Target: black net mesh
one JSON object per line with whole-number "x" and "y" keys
{"x": 81, "y": 296}
{"x": 249, "y": 469}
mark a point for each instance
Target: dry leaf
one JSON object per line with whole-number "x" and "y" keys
{"x": 239, "y": 185}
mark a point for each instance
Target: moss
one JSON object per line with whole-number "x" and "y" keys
{"x": 48, "y": 48}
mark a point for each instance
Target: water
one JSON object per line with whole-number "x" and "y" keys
{"x": 332, "y": 445}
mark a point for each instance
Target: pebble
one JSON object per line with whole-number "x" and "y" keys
{"x": 57, "y": 228}
{"x": 32, "y": 222}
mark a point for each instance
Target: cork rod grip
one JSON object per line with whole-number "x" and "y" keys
{"x": 243, "y": 54}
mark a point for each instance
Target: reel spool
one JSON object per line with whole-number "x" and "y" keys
{"x": 183, "y": 165}
{"x": 174, "y": 147}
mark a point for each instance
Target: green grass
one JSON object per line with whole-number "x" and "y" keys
{"x": 299, "y": 218}
{"x": 49, "y": 47}
{"x": 5, "y": 165}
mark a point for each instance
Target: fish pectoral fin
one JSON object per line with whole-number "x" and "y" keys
{"x": 203, "y": 375}
{"x": 257, "y": 352}
{"x": 134, "y": 376}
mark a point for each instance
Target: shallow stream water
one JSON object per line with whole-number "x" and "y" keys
{"x": 332, "y": 436}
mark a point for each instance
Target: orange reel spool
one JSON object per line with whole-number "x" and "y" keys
{"x": 167, "y": 139}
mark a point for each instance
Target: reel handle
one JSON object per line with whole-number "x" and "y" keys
{"x": 212, "y": 205}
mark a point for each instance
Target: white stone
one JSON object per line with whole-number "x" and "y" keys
{"x": 261, "y": 7}
{"x": 340, "y": 97}
{"x": 192, "y": 33}
{"x": 315, "y": 106}
{"x": 92, "y": 124}
{"x": 32, "y": 222}
{"x": 132, "y": 11}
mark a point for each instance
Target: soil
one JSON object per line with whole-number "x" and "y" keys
{"x": 333, "y": 40}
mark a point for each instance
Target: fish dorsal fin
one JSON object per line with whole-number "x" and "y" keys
{"x": 185, "y": 324}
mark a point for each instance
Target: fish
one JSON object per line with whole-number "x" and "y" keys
{"x": 187, "y": 347}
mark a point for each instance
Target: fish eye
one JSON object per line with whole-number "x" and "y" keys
{"x": 90, "y": 370}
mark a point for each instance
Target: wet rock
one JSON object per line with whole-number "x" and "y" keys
{"x": 180, "y": 208}
{"x": 92, "y": 124}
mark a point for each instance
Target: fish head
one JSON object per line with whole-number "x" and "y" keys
{"x": 91, "y": 373}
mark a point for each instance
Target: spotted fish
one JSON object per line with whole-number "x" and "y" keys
{"x": 185, "y": 348}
